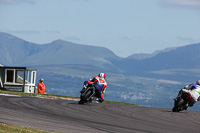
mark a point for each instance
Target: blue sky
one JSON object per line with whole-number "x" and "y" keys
{"x": 125, "y": 27}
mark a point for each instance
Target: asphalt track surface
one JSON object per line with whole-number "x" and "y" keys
{"x": 58, "y": 115}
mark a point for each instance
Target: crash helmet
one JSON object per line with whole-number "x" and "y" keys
{"x": 198, "y": 82}
{"x": 102, "y": 75}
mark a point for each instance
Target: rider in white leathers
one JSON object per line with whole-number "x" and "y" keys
{"x": 194, "y": 90}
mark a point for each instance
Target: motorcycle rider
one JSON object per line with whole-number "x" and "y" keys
{"x": 100, "y": 85}
{"x": 194, "y": 90}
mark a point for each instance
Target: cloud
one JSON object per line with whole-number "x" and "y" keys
{"x": 126, "y": 38}
{"x": 188, "y": 39}
{"x": 186, "y": 4}
{"x": 32, "y": 31}
{"x": 24, "y": 32}
{"x": 14, "y": 2}
{"x": 52, "y": 31}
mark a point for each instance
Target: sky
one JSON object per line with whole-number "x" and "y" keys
{"x": 125, "y": 27}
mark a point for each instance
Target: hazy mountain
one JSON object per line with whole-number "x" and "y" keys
{"x": 185, "y": 57}
{"x": 161, "y": 64}
{"x": 15, "y": 51}
{"x": 142, "y": 56}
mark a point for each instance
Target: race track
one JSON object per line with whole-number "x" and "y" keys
{"x": 68, "y": 116}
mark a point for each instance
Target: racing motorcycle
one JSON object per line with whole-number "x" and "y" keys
{"x": 181, "y": 103}
{"x": 87, "y": 94}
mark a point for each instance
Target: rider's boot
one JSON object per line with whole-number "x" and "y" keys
{"x": 90, "y": 101}
{"x": 186, "y": 106}
{"x": 191, "y": 104}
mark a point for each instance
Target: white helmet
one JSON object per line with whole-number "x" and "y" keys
{"x": 102, "y": 75}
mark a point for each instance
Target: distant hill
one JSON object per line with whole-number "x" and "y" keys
{"x": 16, "y": 51}
{"x": 13, "y": 50}
{"x": 180, "y": 64}
{"x": 142, "y": 56}
{"x": 186, "y": 57}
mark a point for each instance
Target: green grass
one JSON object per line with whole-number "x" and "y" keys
{"x": 6, "y": 128}
{"x": 114, "y": 102}
{"x": 17, "y": 93}
{"x": 35, "y": 94}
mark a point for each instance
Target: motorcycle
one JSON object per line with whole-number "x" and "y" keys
{"x": 181, "y": 103}
{"x": 87, "y": 95}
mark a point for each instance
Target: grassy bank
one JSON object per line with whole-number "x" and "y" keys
{"x": 6, "y": 128}
{"x": 36, "y": 94}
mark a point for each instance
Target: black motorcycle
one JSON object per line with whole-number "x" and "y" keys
{"x": 181, "y": 103}
{"x": 87, "y": 94}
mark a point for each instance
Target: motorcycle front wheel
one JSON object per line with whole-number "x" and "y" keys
{"x": 85, "y": 97}
{"x": 178, "y": 106}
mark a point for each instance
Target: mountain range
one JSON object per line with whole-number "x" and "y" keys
{"x": 69, "y": 64}
{"x": 17, "y": 52}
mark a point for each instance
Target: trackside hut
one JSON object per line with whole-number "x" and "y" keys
{"x": 19, "y": 79}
